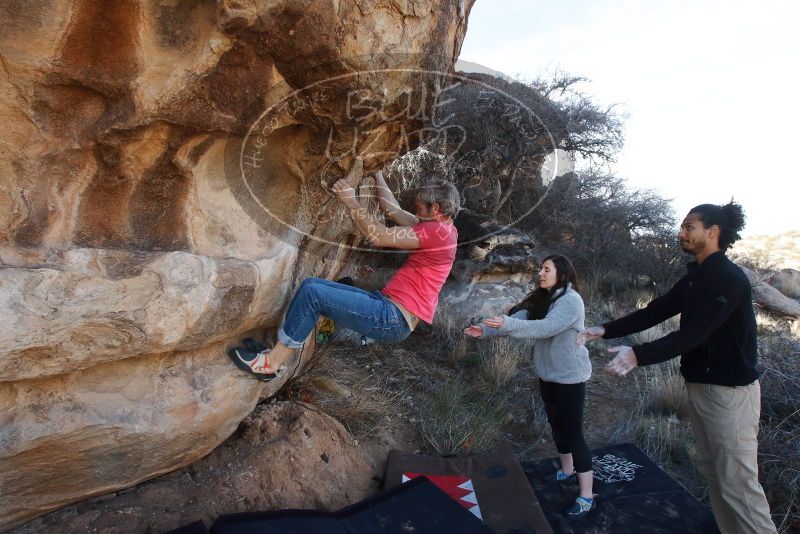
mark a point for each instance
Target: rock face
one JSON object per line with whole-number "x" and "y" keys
{"x": 491, "y": 252}
{"x": 464, "y": 303}
{"x": 285, "y": 455}
{"x": 134, "y": 245}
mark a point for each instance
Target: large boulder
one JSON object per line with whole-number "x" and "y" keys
{"x": 767, "y": 296}
{"x": 787, "y": 281}
{"x": 163, "y": 173}
{"x": 461, "y": 303}
{"x": 492, "y": 253}
{"x": 284, "y": 455}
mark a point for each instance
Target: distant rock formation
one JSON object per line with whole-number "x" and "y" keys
{"x": 767, "y": 296}
{"x": 787, "y": 281}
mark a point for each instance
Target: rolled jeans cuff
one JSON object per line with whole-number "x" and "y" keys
{"x": 289, "y": 342}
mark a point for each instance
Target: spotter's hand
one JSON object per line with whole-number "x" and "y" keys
{"x": 623, "y": 362}
{"x": 474, "y": 331}
{"x": 494, "y": 322}
{"x": 589, "y": 334}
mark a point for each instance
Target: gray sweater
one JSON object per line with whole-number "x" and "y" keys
{"x": 556, "y": 357}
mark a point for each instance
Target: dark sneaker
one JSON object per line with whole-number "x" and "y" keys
{"x": 561, "y": 476}
{"x": 580, "y": 508}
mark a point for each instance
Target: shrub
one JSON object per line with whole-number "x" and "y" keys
{"x": 500, "y": 360}
{"x": 460, "y": 422}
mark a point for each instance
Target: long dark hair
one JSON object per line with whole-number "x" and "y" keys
{"x": 730, "y": 219}
{"x": 538, "y": 301}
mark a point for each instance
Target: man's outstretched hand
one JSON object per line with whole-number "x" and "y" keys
{"x": 589, "y": 334}
{"x": 623, "y": 362}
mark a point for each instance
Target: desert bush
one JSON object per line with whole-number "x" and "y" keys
{"x": 458, "y": 421}
{"x": 500, "y": 360}
{"x": 539, "y": 424}
{"x": 314, "y": 363}
{"x": 446, "y": 332}
{"x": 779, "y": 435}
{"x": 510, "y": 131}
{"x": 666, "y": 389}
{"x": 663, "y": 437}
{"x": 656, "y": 332}
{"x": 364, "y": 408}
{"x": 611, "y": 232}
{"x": 456, "y": 354}
{"x": 757, "y": 260}
{"x": 659, "y": 422}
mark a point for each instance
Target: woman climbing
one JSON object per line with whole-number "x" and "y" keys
{"x": 388, "y": 315}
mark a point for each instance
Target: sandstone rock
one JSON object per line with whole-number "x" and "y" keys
{"x": 284, "y": 455}
{"x": 131, "y": 252}
{"x": 787, "y": 281}
{"x": 492, "y": 253}
{"x": 464, "y": 302}
{"x": 769, "y": 297}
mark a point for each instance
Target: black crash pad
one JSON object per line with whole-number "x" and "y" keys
{"x": 417, "y": 506}
{"x": 633, "y": 495}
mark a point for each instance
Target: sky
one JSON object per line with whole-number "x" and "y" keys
{"x": 710, "y": 89}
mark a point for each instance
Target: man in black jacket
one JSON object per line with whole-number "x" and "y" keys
{"x": 718, "y": 348}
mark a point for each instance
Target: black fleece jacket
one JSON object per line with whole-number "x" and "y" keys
{"x": 717, "y": 334}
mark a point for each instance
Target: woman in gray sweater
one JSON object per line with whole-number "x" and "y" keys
{"x": 553, "y": 315}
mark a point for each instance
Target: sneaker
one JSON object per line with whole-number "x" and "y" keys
{"x": 561, "y": 476}
{"x": 581, "y": 508}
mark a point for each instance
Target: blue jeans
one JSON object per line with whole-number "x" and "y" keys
{"x": 368, "y": 313}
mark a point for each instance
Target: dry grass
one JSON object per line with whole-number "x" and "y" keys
{"x": 779, "y": 436}
{"x": 459, "y": 422}
{"x": 658, "y": 422}
{"x": 500, "y": 360}
{"x": 364, "y": 409}
{"x": 455, "y": 356}
{"x": 446, "y": 330}
{"x": 666, "y": 390}
{"x": 657, "y": 332}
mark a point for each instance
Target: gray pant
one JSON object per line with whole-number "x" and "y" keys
{"x": 725, "y": 424}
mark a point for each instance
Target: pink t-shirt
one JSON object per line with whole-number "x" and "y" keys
{"x": 418, "y": 282}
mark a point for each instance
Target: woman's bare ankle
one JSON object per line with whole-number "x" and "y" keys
{"x": 278, "y": 356}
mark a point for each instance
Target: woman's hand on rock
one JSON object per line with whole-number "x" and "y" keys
{"x": 346, "y": 194}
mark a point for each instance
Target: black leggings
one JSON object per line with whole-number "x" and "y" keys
{"x": 564, "y": 406}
